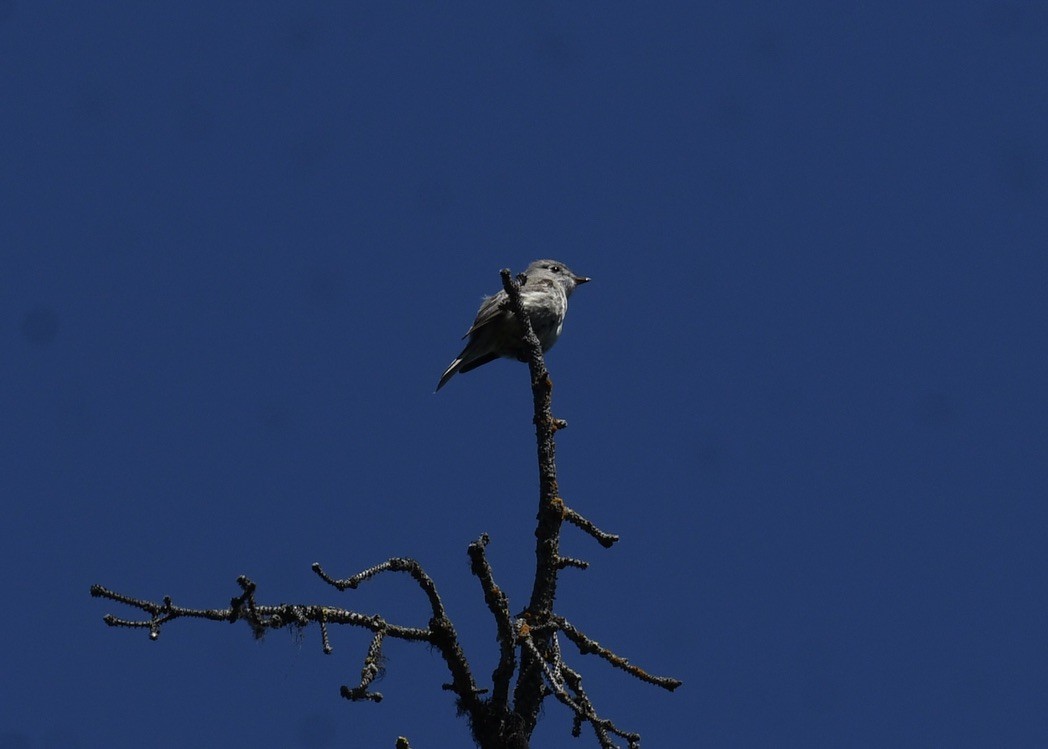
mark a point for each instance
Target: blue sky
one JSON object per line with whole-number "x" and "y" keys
{"x": 239, "y": 245}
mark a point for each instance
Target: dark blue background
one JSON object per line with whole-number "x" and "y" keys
{"x": 239, "y": 243}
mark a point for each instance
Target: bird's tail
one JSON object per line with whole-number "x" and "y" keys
{"x": 449, "y": 373}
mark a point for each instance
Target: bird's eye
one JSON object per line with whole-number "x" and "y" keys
{"x": 555, "y": 268}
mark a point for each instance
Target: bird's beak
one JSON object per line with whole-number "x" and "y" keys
{"x": 582, "y": 279}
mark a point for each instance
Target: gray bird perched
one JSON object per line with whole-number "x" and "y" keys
{"x": 497, "y": 333}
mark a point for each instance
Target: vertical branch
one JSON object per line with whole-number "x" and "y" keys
{"x": 551, "y": 508}
{"x": 529, "y": 691}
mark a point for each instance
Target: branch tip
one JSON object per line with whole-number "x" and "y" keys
{"x": 563, "y": 562}
{"x": 607, "y": 540}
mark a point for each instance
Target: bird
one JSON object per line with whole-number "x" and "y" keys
{"x": 496, "y": 332}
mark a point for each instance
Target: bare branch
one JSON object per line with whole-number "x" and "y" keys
{"x": 325, "y": 641}
{"x": 587, "y": 645}
{"x": 372, "y": 668}
{"x": 527, "y": 696}
{"x": 583, "y": 710}
{"x": 395, "y": 564}
{"x": 441, "y": 631}
{"x": 498, "y": 604}
{"x": 574, "y": 682}
{"x": 563, "y": 562}
{"x": 446, "y": 641}
{"x": 550, "y": 513}
{"x": 604, "y": 539}
{"x": 259, "y": 617}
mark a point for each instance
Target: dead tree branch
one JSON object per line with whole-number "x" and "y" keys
{"x": 529, "y": 644}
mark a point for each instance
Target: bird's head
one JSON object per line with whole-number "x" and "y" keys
{"x": 555, "y": 271}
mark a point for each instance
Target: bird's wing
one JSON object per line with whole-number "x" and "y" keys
{"x": 490, "y": 310}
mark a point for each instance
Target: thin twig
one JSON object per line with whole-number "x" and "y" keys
{"x": 574, "y": 681}
{"x": 607, "y": 540}
{"x": 372, "y": 668}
